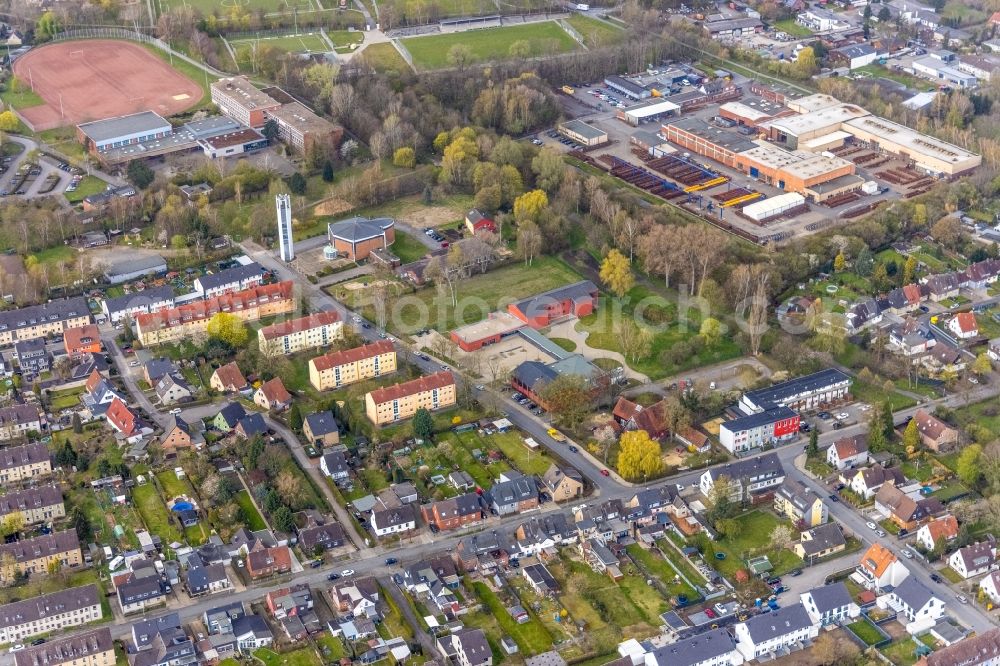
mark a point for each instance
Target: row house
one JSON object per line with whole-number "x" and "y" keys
{"x": 190, "y": 320}
{"x": 712, "y": 648}
{"x": 39, "y": 555}
{"x": 229, "y": 280}
{"x": 340, "y": 368}
{"x": 20, "y": 463}
{"x": 979, "y": 650}
{"x": 774, "y": 633}
{"x": 93, "y": 648}
{"x": 40, "y": 504}
{"x": 152, "y": 299}
{"x": 830, "y": 604}
{"x": 43, "y": 321}
{"x": 294, "y": 335}
{"x": 17, "y": 421}
{"x": 48, "y": 613}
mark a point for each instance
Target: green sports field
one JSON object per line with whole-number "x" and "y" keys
{"x": 544, "y": 38}
{"x": 595, "y": 32}
{"x": 304, "y": 43}
{"x": 224, "y": 7}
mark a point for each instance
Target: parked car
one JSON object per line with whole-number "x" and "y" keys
{"x": 347, "y": 572}
{"x": 389, "y": 561}
{"x": 871, "y": 525}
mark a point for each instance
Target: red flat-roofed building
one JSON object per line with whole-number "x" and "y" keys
{"x": 578, "y": 300}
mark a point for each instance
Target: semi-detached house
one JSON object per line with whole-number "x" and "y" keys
{"x": 712, "y": 648}
{"x": 49, "y": 612}
{"x": 455, "y": 512}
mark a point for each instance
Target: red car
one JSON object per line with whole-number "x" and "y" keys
{"x": 605, "y": 472}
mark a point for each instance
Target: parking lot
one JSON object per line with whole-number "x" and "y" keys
{"x": 596, "y": 105}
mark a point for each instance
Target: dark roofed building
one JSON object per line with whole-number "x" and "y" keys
{"x": 94, "y": 648}
{"x": 712, "y": 647}
{"x": 356, "y": 237}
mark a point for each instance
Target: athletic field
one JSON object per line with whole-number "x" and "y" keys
{"x": 490, "y": 44}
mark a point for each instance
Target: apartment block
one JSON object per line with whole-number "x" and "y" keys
{"x": 49, "y": 612}
{"x": 394, "y": 403}
{"x": 30, "y": 461}
{"x": 191, "y": 319}
{"x": 40, "y": 321}
{"x": 294, "y": 335}
{"x": 36, "y": 505}
{"x": 336, "y": 369}
{"x": 35, "y": 556}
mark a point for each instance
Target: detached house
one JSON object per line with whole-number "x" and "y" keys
{"x": 945, "y": 527}
{"x": 633, "y": 416}
{"x": 318, "y": 537}
{"x": 963, "y": 326}
{"x": 321, "y": 429}
{"x": 357, "y": 597}
{"x": 820, "y": 541}
{"x": 935, "y": 434}
{"x": 990, "y": 586}
{"x": 975, "y": 559}
{"x": 273, "y": 396}
{"x": 172, "y": 389}
{"x": 562, "y": 483}
{"x": 774, "y": 632}
{"x": 124, "y": 421}
{"x": 335, "y": 465}
{"x": 228, "y": 379}
{"x": 799, "y": 504}
{"x": 829, "y": 604}
{"x": 848, "y": 452}
{"x": 879, "y": 568}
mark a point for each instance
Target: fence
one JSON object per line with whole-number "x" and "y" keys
{"x": 110, "y": 32}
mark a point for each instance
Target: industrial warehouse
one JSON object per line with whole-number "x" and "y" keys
{"x": 755, "y": 161}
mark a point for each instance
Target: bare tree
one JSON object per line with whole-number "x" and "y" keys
{"x": 529, "y": 241}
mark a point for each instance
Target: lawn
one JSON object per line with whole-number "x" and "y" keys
{"x": 531, "y": 637}
{"x": 512, "y": 445}
{"x": 901, "y": 653}
{"x": 565, "y": 343}
{"x": 65, "y": 399}
{"x": 753, "y": 539}
{"x": 251, "y": 516}
{"x": 866, "y": 631}
{"x": 477, "y": 296}
{"x": 985, "y": 415}
{"x": 174, "y": 487}
{"x": 207, "y": 7}
{"x": 302, "y": 657}
{"x": 876, "y": 395}
{"x": 595, "y": 32}
{"x": 23, "y": 98}
{"x": 40, "y": 585}
{"x": 384, "y": 58}
{"x": 87, "y": 186}
{"x": 660, "y": 567}
{"x": 792, "y": 28}
{"x": 609, "y": 610}
{"x": 155, "y": 514}
{"x": 880, "y": 71}
{"x": 304, "y": 43}
{"x": 543, "y": 38}
{"x": 660, "y": 316}
{"x": 330, "y": 647}
{"x": 408, "y": 248}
